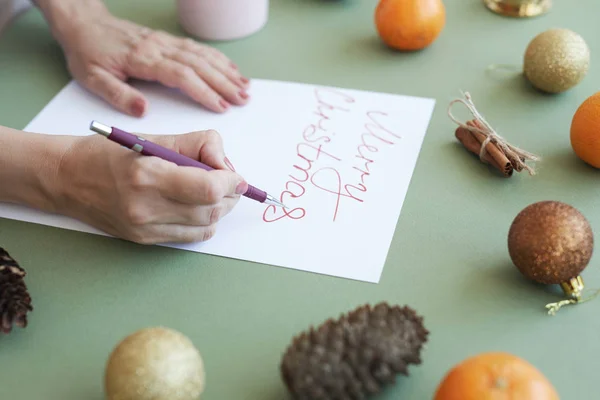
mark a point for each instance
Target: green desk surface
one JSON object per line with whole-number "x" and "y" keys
{"x": 448, "y": 259}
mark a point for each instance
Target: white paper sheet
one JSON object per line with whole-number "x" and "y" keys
{"x": 341, "y": 159}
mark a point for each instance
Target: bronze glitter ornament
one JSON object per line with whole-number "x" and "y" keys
{"x": 354, "y": 356}
{"x": 551, "y": 242}
{"x": 556, "y": 60}
{"x": 154, "y": 364}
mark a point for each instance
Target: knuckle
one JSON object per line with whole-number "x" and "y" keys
{"x": 158, "y": 36}
{"x": 184, "y": 73}
{"x": 91, "y": 79}
{"x": 212, "y": 136}
{"x": 188, "y": 43}
{"x": 144, "y": 56}
{"x": 198, "y": 235}
{"x": 115, "y": 94}
{"x": 168, "y": 141}
{"x": 136, "y": 215}
{"x": 138, "y": 175}
{"x": 208, "y": 233}
{"x": 203, "y": 64}
{"x": 215, "y": 214}
{"x": 144, "y": 171}
{"x": 139, "y": 238}
{"x": 206, "y": 93}
{"x": 212, "y": 194}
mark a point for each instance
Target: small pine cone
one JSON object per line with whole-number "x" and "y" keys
{"x": 15, "y": 301}
{"x": 355, "y": 356}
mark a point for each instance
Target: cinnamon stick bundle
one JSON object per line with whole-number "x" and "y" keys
{"x": 494, "y": 156}
{"x": 503, "y": 156}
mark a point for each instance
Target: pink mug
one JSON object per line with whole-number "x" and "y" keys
{"x": 222, "y": 19}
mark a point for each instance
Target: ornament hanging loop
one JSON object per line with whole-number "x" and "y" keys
{"x": 573, "y": 288}
{"x": 554, "y": 307}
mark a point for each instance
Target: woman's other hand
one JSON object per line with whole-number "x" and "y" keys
{"x": 103, "y": 52}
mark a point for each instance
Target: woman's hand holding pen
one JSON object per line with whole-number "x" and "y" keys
{"x": 146, "y": 199}
{"x": 143, "y": 199}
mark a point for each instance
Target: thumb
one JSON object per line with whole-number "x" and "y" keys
{"x": 119, "y": 94}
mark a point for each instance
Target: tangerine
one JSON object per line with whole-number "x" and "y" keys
{"x": 495, "y": 376}
{"x": 585, "y": 131}
{"x": 410, "y": 24}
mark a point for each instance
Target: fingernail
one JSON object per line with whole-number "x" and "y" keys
{"x": 243, "y": 94}
{"x": 241, "y": 188}
{"x": 229, "y": 164}
{"x": 224, "y": 104}
{"x": 244, "y": 80}
{"x": 137, "y": 107}
{"x": 233, "y": 66}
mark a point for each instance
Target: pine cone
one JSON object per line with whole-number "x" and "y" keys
{"x": 355, "y": 356}
{"x": 15, "y": 301}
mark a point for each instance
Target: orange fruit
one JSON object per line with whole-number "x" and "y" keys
{"x": 585, "y": 131}
{"x": 410, "y": 24}
{"x": 495, "y": 376}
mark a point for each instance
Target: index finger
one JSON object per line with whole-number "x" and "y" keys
{"x": 191, "y": 185}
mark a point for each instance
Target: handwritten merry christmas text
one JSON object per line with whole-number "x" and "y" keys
{"x": 313, "y": 149}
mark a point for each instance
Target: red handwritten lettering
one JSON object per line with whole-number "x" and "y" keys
{"x": 361, "y": 187}
{"x": 370, "y": 133}
{"x": 309, "y": 161}
{"x": 318, "y": 153}
{"x": 336, "y": 188}
{"x": 308, "y": 152}
{"x": 310, "y": 131}
{"x": 378, "y": 125}
{"x": 328, "y": 179}
{"x": 286, "y": 213}
{"x": 361, "y": 156}
{"x": 321, "y": 94}
{"x": 305, "y": 170}
{"x": 301, "y": 212}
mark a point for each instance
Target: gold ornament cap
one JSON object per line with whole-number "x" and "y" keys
{"x": 519, "y": 8}
{"x": 573, "y": 288}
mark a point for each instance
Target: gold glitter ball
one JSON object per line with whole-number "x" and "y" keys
{"x": 556, "y": 60}
{"x": 550, "y": 242}
{"x": 154, "y": 364}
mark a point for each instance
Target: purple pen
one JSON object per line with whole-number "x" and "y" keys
{"x": 149, "y": 148}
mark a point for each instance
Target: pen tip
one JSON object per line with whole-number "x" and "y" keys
{"x": 273, "y": 201}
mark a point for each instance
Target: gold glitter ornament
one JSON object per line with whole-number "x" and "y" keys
{"x": 556, "y": 60}
{"x": 551, "y": 242}
{"x": 154, "y": 364}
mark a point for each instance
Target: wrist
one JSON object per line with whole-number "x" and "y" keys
{"x": 65, "y": 17}
{"x": 29, "y": 166}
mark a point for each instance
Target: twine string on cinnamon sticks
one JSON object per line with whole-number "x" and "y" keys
{"x": 480, "y": 138}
